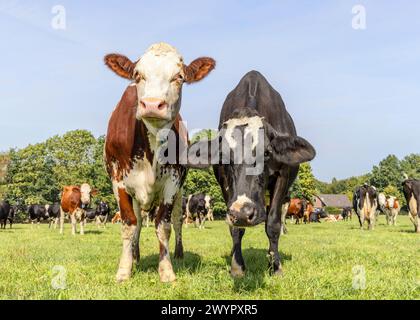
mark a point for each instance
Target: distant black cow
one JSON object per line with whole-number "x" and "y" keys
{"x": 53, "y": 213}
{"x": 102, "y": 213}
{"x": 99, "y": 214}
{"x": 6, "y": 214}
{"x": 365, "y": 203}
{"x": 346, "y": 213}
{"x": 315, "y": 216}
{"x": 256, "y": 151}
{"x": 37, "y": 212}
{"x": 411, "y": 190}
{"x": 196, "y": 210}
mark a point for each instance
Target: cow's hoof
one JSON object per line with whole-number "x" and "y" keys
{"x": 123, "y": 275}
{"x": 237, "y": 273}
{"x": 167, "y": 276}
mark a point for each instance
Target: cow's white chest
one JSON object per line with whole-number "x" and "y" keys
{"x": 413, "y": 206}
{"x": 151, "y": 184}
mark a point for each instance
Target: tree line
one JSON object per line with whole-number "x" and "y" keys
{"x": 36, "y": 174}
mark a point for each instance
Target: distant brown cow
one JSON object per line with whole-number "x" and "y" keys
{"x": 297, "y": 209}
{"x": 74, "y": 201}
{"x": 308, "y": 212}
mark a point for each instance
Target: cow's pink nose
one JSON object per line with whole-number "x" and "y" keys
{"x": 153, "y": 108}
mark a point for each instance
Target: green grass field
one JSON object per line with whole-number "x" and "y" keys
{"x": 318, "y": 262}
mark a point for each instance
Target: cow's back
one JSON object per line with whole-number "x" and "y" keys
{"x": 255, "y": 91}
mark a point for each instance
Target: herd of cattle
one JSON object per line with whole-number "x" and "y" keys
{"x": 146, "y": 187}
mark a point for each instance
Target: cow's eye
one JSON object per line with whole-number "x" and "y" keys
{"x": 177, "y": 78}
{"x": 138, "y": 77}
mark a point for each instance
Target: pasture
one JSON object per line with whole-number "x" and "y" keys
{"x": 318, "y": 262}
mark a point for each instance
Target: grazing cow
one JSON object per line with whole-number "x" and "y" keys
{"x": 209, "y": 207}
{"x": 53, "y": 213}
{"x": 36, "y": 213}
{"x": 297, "y": 209}
{"x": 144, "y": 180}
{"x": 6, "y": 213}
{"x": 116, "y": 218}
{"x": 347, "y": 214}
{"x": 411, "y": 190}
{"x": 254, "y": 114}
{"x": 74, "y": 201}
{"x": 196, "y": 210}
{"x": 365, "y": 204}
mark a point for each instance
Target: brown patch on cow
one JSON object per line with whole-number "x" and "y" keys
{"x": 198, "y": 69}
{"x": 163, "y": 213}
{"x": 126, "y": 137}
{"x": 396, "y": 204}
{"x": 121, "y": 65}
{"x": 71, "y": 199}
{"x": 295, "y": 208}
{"x": 126, "y": 207}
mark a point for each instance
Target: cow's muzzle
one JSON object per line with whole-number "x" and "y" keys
{"x": 153, "y": 108}
{"x": 247, "y": 216}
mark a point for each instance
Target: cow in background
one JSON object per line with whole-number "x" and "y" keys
{"x": 53, "y": 213}
{"x": 411, "y": 189}
{"x": 347, "y": 214}
{"x": 308, "y": 212}
{"x": 196, "y": 210}
{"x": 296, "y": 209}
{"x": 102, "y": 213}
{"x": 392, "y": 209}
{"x": 209, "y": 207}
{"x": 74, "y": 201}
{"x": 6, "y": 213}
{"x": 36, "y": 213}
{"x": 365, "y": 204}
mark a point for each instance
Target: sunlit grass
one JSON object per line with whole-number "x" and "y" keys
{"x": 317, "y": 261}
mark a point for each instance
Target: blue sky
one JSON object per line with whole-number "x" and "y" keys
{"x": 353, "y": 94}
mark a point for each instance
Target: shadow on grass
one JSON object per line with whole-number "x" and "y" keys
{"x": 93, "y": 232}
{"x": 191, "y": 262}
{"x": 257, "y": 265}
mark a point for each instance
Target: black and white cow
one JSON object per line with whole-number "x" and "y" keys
{"x": 102, "y": 213}
{"x": 37, "y": 212}
{"x": 257, "y": 149}
{"x": 6, "y": 214}
{"x": 411, "y": 189}
{"x": 346, "y": 214}
{"x": 196, "y": 210}
{"x": 53, "y": 212}
{"x": 365, "y": 203}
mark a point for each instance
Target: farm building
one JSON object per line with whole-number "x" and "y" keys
{"x": 332, "y": 200}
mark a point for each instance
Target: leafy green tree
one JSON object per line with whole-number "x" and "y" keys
{"x": 410, "y": 165}
{"x": 305, "y": 184}
{"x": 388, "y": 172}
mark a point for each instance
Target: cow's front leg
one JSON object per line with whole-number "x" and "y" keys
{"x": 284, "y": 209}
{"x": 136, "y": 236}
{"x": 163, "y": 233}
{"x": 129, "y": 225}
{"x": 73, "y": 223}
{"x": 237, "y": 268}
{"x": 61, "y": 220}
{"x": 177, "y": 222}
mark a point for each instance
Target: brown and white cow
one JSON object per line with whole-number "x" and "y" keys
{"x": 142, "y": 183}
{"x": 74, "y": 201}
{"x": 392, "y": 209}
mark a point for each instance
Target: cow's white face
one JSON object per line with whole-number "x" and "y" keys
{"x": 85, "y": 191}
{"x": 158, "y": 76}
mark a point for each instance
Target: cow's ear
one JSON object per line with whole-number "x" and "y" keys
{"x": 202, "y": 154}
{"x": 198, "y": 69}
{"x": 291, "y": 150}
{"x": 94, "y": 192}
{"x": 121, "y": 65}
